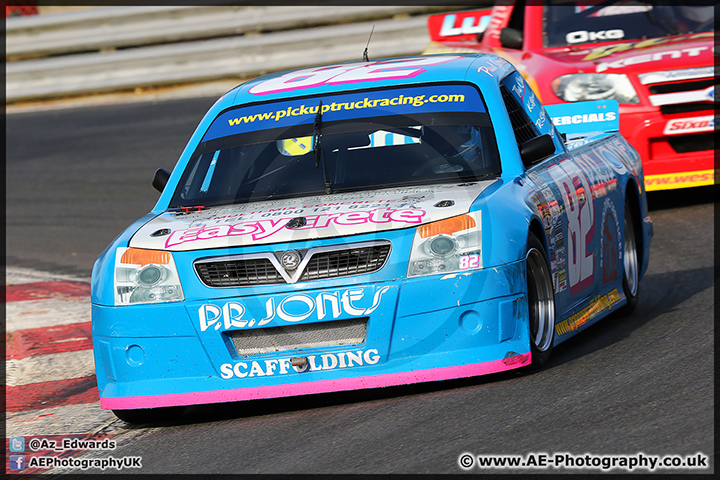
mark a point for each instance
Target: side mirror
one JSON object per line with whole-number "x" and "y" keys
{"x": 160, "y": 179}
{"x": 511, "y": 38}
{"x": 536, "y": 149}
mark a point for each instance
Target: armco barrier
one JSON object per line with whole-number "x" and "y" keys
{"x": 109, "y": 49}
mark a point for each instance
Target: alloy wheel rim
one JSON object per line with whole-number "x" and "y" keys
{"x": 541, "y": 302}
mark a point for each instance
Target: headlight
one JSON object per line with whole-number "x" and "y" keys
{"x": 579, "y": 87}
{"x": 450, "y": 245}
{"x": 145, "y": 276}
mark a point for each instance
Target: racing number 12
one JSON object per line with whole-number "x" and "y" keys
{"x": 579, "y": 207}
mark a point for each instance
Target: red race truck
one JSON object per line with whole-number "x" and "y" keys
{"x": 656, "y": 60}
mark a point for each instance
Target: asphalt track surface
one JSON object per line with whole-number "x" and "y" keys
{"x": 643, "y": 384}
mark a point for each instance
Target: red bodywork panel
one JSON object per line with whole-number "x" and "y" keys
{"x": 672, "y": 125}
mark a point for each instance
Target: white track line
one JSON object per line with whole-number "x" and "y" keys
{"x": 42, "y": 313}
{"x": 68, "y": 419}
{"x": 15, "y": 276}
{"x": 46, "y": 313}
{"x": 48, "y": 368}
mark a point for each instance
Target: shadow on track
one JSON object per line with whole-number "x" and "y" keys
{"x": 684, "y": 197}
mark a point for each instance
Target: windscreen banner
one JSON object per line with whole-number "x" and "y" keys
{"x": 357, "y": 105}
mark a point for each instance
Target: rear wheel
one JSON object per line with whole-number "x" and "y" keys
{"x": 541, "y": 301}
{"x": 149, "y": 415}
{"x": 631, "y": 264}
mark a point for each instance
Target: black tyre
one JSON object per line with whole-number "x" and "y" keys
{"x": 631, "y": 264}
{"x": 149, "y": 415}
{"x": 541, "y": 301}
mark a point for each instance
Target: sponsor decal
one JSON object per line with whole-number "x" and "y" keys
{"x": 530, "y": 103}
{"x": 284, "y": 366}
{"x": 690, "y": 125}
{"x": 549, "y": 210}
{"x": 579, "y": 207}
{"x": 499, "y": 17}
{"x": 327, "y": 215}
{"x": 598, "y": 305}
{"x": 583, "y": 117}
{"x": 580, "y": 184}
{"x": 262, "y": 229}
{"x": 348, "y": 73}
{"x": 560, "y": 280}
{"x": 526, "y": 98}
{"x": 485, "y": 70}
{"x": 679, "y": 180}
{"x": 469, "y": 262}
{"x": 582, "y": 36}
{"x": 471, "y": 24}
{"x": 293, "y": 308}
{"x": 670, "y": 75}
{"x": 546, "y": 217}
{"x": 309, "y": 110}
{"x": 707, "y": 95}
{"x": 519, "y": 87}
{"x": 346, "y": 106}
{"x": 651, "y": 57}
{"x": 493, "y": 64}
{"x": 540, "y": 122}
{"x": 607, "y": 50}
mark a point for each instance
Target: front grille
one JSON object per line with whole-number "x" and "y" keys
{"x": 680, "y": 91}
{"x": 294, "y": 337}
{"x": 319, "y": 263}
{"x": 345, "y": 263}
{"x": 685, "y": 108}
{"x": 233, "y": 273}
{"x": 681, "y": 86}
{"x": 692, "y": 143}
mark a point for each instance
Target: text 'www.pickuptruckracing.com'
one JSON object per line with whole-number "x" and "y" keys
{"x": 586, "y": 461}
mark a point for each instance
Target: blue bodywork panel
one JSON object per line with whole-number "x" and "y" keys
{"x": 364, "y": 225}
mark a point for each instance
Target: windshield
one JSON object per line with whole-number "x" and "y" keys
{"x": 365, "y": 140}
{"x": 569, "y": 23}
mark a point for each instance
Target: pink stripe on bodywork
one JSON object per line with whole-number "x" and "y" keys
{"x": 321, "y": 386}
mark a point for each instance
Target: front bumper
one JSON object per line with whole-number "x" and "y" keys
{"x": 670, "y": 161}
{"x": 417, "y": 330}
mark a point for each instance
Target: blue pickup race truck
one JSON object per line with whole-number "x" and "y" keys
{"x": 364, "y": 225}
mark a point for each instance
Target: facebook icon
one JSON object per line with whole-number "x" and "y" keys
{"x": 17, "y": 462}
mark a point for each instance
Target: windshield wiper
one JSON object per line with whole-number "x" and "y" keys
{"x": 317, "y": 148}
{"x": 426, "y": 181}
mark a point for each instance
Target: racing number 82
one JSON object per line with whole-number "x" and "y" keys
{"x": 577, "y": 199}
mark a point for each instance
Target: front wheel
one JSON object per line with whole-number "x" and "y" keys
{"x": 541, "y": 301}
